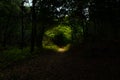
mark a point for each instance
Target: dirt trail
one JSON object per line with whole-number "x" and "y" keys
{"x": 64, "y": 67}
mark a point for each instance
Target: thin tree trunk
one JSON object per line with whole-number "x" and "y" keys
{"x": 4, "y": 39}
{"x": 33, "y": 35}
{"x": 84, "y": 29}
{"x": 5, "y": 34}
{"x": 40, "y": 37}
{"x": 22, "y": 29}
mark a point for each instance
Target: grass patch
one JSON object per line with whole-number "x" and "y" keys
{"x": 56, "y": 48}
{"x": 13, "y": 54}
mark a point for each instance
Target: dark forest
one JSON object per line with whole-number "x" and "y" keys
{"x": 59, "y": 39}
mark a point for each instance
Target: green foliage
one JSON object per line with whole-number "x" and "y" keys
{"x": 51, "y": 33}
{"x": 12, "y": 55}
{"x": 66, "y": 30}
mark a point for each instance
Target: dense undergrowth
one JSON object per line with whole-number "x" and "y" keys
{"x": 11, "y": 55}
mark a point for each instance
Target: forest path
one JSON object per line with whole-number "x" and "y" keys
{"x": 64, "y": 67}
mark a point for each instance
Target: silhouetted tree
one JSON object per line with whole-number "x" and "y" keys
{"x": 33, "y": 35}
{"x": 8, "y": 17}
{"x": 105, "y": 15}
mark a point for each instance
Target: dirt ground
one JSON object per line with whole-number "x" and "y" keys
{"x": 66, "y": 66}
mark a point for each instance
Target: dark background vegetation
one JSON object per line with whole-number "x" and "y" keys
{"x": 81, "y": 27}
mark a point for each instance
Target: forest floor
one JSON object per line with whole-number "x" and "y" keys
{"x": 71, "y": 65}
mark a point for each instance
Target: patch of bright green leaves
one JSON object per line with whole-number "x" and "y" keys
{"x": 50, "y": 34}
{"x": 66, "y": 30}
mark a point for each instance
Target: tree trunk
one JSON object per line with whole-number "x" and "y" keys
{"x": 33, "y": 34}
{"x": 40, "y": 37}
{"x": 5, "y": 34}
{"x": 22, "y": 29}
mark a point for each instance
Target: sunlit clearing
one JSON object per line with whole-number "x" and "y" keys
{"x": 63, "y": 49}
{"x": 54, "y": 43}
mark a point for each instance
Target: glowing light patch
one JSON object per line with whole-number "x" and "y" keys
{"x": 61, "y": 50}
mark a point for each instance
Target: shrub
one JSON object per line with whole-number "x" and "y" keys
{"x": 60, "y": 40}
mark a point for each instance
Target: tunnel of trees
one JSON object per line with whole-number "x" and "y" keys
{"x": 26, "y": 27}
